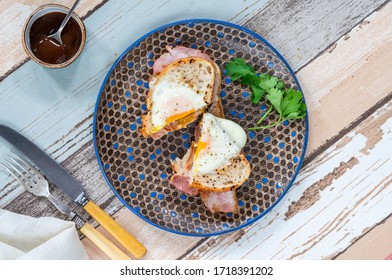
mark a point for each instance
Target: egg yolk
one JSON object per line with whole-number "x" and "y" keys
{"x": 200, "y": 146}
{"x": 178, "y": 116}
{"x": 173, "y": 118}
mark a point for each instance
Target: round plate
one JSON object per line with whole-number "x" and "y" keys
{"x": 138, "y": 169}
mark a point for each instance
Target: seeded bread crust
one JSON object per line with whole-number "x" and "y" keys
{"x": 227, "y": 178}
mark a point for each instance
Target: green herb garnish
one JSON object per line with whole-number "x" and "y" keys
{"x": 286, "y": 101}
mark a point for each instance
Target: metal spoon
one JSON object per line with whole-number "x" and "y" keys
{"x": 57, "y": 35}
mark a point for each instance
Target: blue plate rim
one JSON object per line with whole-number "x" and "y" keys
{"x": 162, "y": 27}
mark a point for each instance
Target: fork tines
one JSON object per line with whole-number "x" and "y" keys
{"x": 20, "y": 169}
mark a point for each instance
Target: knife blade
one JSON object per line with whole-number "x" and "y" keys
{"x": 55, "y": 173}
{"x": 51, "y": 169}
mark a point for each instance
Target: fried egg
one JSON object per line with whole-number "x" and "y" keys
{"x": 220, "y": 140}
{"x": 178, "y": 95}
{"x": 173, "y": 101}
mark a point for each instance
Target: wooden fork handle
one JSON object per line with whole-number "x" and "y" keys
{"x": 111, "y": 250}
{"x": 129, "y": 242}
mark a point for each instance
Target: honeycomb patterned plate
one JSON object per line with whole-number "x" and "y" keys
{"x": 138, "y": 169}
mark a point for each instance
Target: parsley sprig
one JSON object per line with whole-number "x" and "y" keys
{"x": 286, "y": 101}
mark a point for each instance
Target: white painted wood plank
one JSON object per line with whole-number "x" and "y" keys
{"x": 322, "y": 22}
{"x": 350, "y": 54}
{"x": 353, "y": 190}
{"x": 350, "y": 77}
{"x": 54, "y": 107}
{"x": 13, "y": 15}
{"x": 65, "y": 147}
{"x": 375, "y": 245}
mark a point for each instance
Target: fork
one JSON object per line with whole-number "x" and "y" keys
{"x": 33, "y": 181}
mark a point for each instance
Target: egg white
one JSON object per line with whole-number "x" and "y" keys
{"x": 220, "y": 140}
{"x": 171, "y": 100}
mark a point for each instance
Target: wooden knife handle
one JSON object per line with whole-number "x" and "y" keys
{"x": 129, "y": 242}
{"x": 111, "y": 250}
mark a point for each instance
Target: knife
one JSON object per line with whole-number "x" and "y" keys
{"x": 74, "y": 189}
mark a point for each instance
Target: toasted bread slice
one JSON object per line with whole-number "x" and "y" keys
{"x": 226, "y": 178}
{"x": 197, "y": 74}
{"x": 229, "y": 177}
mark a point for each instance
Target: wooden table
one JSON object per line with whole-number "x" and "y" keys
{"x": 341, "y": 203}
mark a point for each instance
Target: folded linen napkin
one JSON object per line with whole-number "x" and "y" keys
{"x": 46, "y": 238}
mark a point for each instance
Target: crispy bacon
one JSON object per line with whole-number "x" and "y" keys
{"x": 174, "y": 54}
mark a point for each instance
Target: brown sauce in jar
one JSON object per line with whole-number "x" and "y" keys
{"x": 49, "y": 50}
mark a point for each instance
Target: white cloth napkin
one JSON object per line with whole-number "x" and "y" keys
{"x": 46, "y": 238}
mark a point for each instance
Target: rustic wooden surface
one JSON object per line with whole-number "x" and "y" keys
{"x": 341, "y": 51}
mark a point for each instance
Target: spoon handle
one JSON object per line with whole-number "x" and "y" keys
{"x": 65, "y": 20}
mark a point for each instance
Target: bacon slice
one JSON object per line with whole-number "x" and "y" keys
{"x": 220, "y": 201}
{"x": 159, "y": 134}
{"x": 197, "y": 132}
{"x": 181, "y": 179}
{"x": 174, "y": 54}
{"x": 181, "y": 182}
